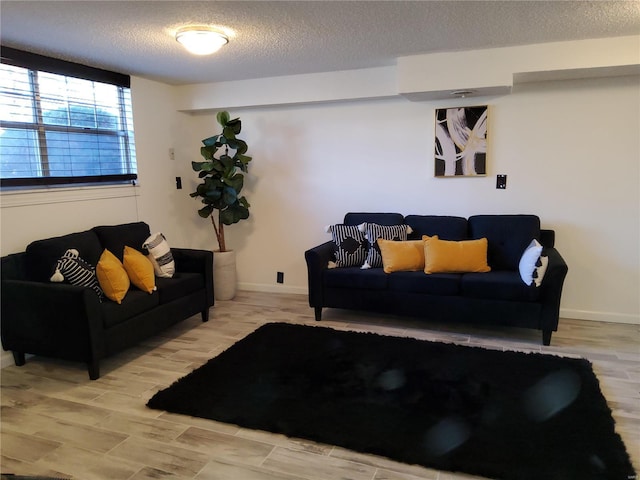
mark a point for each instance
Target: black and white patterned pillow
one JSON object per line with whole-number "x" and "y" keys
{"x": 351, "y": 246}
{"x": 76, "y": 271}
{"x": 372, "y": 232}
{"x": 160, "y": 255}
{"x": 541, "y": 269}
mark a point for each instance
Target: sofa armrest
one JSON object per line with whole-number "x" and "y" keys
{"x": 51, "y": 319}
{"x": 551, "y": 286}
{"x": 548, "y": 238}
{"x": 317, "y": 260}
{"x": 196, "y": 261}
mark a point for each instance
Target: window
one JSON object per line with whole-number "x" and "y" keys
{"x": 63, "y": 123}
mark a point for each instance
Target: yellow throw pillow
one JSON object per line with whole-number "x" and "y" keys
{"x": 139, "y": 269}
{"x": 444, "y": 256}
{"x": 112, "y": 277}
{"x": 401, "y": 256}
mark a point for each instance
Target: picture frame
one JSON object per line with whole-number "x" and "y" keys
{"x": 461, "y": 141}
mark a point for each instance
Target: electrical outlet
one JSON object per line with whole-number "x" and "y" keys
{"x": 280, "y": 277}
{"x": 501, "y": 182}
{"x": 172, "y": 154}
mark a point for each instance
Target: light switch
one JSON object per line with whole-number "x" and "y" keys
{"x": 501, "y": 182}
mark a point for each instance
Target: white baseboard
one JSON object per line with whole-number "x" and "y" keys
{"x": 610, "y": 317}
{"x": 278, "y": 288}
{"x": 6, "y": 359}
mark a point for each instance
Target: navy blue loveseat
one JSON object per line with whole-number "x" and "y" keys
{"x": 71, "y": 322}
{"x": 496, "y": 297}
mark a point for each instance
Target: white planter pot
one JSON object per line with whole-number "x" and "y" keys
{"x": 224, "y": 275}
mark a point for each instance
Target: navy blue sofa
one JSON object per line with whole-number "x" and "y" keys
{"x": 70, "y": 322}
{"x": 497, "y": 297}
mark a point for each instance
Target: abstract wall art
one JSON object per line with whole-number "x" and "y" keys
{"x": 461, "y": 141}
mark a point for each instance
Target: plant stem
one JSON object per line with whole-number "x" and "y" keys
{"x": 219, "y": 233}
{"x": 221, "y": 243}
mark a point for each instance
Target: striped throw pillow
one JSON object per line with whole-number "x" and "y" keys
{"x": 74, "y": 270}
{"x": 160, "y": 255}
{"x": 351, "y": 246}
{"x": 372, "y": 232}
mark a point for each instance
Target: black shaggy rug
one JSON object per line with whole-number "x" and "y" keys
{"x": 502, "y": 415}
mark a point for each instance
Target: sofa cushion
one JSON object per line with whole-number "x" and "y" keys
{"x": 508, "y": 236}
{"x": 446, "y": 227}
{"x": 42, "y": 255}
{"x": 115, "y": 237}
{"x": 180, "y": 285}
{"x": 418, "y": 282}
{"x": 446, "y": 256}
{"x": 497, "y": 285}
{"x": 356, "y": 218}
{"x": 135, "y": 303}
{"x": 354, "y": 277}
{"x": 351, "y": 246}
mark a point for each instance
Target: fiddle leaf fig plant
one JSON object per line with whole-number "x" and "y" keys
{"x": 222, "y": 175}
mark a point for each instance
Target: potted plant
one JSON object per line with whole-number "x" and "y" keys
{"x": 222, "y": 174}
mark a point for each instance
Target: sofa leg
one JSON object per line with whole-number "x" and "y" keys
{"x": 546, "y": 337}
{"x": 94, "y": 369}
{"x": 18, "y": 358}
{"x": 205, "y": 315}
{"x": 318, "y": 312}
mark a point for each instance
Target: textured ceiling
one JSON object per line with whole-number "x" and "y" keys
{"x": 285, "y": 37}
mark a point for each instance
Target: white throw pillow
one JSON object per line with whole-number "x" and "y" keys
{"x": 160, "y": 255}
{"x": 529, "y": 262}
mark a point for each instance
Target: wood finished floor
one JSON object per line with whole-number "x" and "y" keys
{"x": 56, "y": 422}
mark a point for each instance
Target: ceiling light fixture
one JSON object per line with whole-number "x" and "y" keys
{"x": 201, "y": 40}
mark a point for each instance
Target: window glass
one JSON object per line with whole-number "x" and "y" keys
{"x": 57, "y": 129}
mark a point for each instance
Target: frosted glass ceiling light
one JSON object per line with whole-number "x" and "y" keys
{"x": 201, "y": 40}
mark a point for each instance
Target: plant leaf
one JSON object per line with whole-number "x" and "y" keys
{"x": 208, "y": 151}
{"x": 229, "y": 195}
{"x": 235, "y": 125}
{"x": 234, "y": 213}
{"x": 223, "y": 118}
{"x": 206, "y": 211}
{"x": 244, "y": 203}
{"x": 227, "y": 161}
{"x": 236, "y": 182}
{"x": 216, "y": 140}
{"x": 229, "y": 133}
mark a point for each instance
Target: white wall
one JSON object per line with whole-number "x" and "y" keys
{"x": 570, "y": 150}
